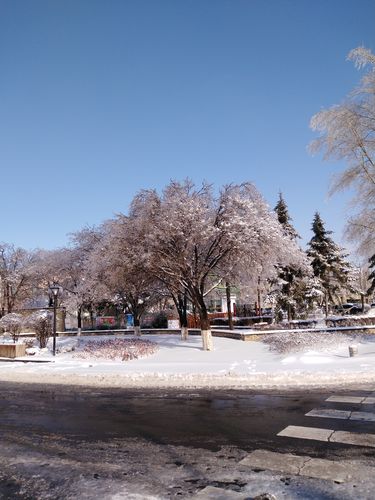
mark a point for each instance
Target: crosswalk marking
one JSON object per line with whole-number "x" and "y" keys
{"x": 364, "y": 416}
{"x": 346, "y": 399}
{"x": 297, "y": 431}
{"x": 356, "y": 438}
{"x": 330, "y": 435}
{"x": 362, "y": 400}
{"x": 329, "y": 413}
{"x": 287, "y": 463}
{"x": 281, "y": 462}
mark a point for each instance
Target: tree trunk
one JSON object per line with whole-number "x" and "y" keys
{"x": 137, "y": 328}
{"x": 258, "y": 293}
{"x": 79, "y": 320}
{"x": 137, "y": 331}
{"x": 184, "y": 333}
{"x": 184, "y": 319}
{"x": 207, "y": 340}
{"x": 205, "y": 327}
{"x": 195, "y": 316}
{"x": 229, "y": 306}
{"x": 363, "y": 302}
{"x": 180, "y": 301}
{"x": 326, "y": 303}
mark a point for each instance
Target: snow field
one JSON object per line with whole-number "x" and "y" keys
{"x": 315, "y": 360}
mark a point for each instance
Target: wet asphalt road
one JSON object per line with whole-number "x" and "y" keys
{"x": 201, "y": 419}
{"x": 50, "y": 421}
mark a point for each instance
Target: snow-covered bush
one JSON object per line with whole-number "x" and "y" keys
{"x": 350, "y": 321}
{"x": 12, "y": 323}
{"x": 66, "y": 345}
{"x": 41, "y": 323}
{"x": 285, "y": 343}
{"x": 290, "y": 325}
{"x": 117, "y": 349}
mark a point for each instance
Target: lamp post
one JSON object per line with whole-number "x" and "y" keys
{"x": 55, "y": 288}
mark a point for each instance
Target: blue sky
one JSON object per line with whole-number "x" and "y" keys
{"x": 100, "y": 99}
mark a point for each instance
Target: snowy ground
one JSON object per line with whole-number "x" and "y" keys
{"x": 295, "y": 359}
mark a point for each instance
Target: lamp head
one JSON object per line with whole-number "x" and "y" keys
{"x": 55, "y": 288}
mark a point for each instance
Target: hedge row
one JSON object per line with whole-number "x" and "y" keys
{"x": 350, "y": 321}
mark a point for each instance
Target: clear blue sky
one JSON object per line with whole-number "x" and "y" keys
{"x": 99, "y": 99}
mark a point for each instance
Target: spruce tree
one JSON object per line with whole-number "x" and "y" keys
{"x": 328, "y": 261}
{"x": 289, "y": 277}
{"x": 284, "y": 218}
{"x": 371, "y": 277}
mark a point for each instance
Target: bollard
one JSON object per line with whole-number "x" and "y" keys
{"x": 353, "y": 350}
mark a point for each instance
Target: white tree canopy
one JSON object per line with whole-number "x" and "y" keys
{"x": 347, "y": 132}
{"x": 196, "y": 240}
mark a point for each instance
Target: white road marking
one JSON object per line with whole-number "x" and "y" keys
{"x": 346, "y": 399}
{"x": 356, "y": 438}
{"x": 365, "y": 416}
{"x": 329, "y": 413}
{"x": 300, "y": 432}
{"x": 270, "y": 460}
{"x": 287, "y": 463}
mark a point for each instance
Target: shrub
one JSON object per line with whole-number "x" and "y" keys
{"x": 350, "y": 321}
{"x": 41, "y": 323}
{"x": 12, "y": 323}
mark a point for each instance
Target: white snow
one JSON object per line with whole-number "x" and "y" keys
{"x": 232, "y": 363}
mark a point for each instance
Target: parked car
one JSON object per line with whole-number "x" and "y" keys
{"x": 350, "y": 308}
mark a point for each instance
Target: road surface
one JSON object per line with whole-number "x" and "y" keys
{"x": 61, "y": 442}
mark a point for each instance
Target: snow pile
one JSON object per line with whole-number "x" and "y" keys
{"x": 117, "y": 349}
{"x": 64, "y": 345}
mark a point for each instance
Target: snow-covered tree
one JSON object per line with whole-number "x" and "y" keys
{"x": 359, "y": 281}
{"x": 292, "y": 282}
{"x": 143, "y": 209}
{"x": 78, "y": 282}
{"x": 67, "y": 267}
{"x": 199, "y": 241}
{"x": 347, "y": 132}
{"x": 371, "y": 276}
{"x": 12, "y": 323}
{"x": 118, "y": 266}
{"x": 287, "y": 275}
{"x": 16, "y": 276}
{"x": 328, "y": 261}
{"x": 285, "y": 219}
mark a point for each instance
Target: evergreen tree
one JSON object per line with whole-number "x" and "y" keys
{"x": 289, "y": 296}
{"x": 328, "y": 261}
{"x": 284, "y": 218}
{"x": 371, "y": 277}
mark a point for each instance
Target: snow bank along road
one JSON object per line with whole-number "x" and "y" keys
{"x": 314, "y": 360}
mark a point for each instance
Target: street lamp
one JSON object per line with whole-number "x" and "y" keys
{"x": 55, "y": 288}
